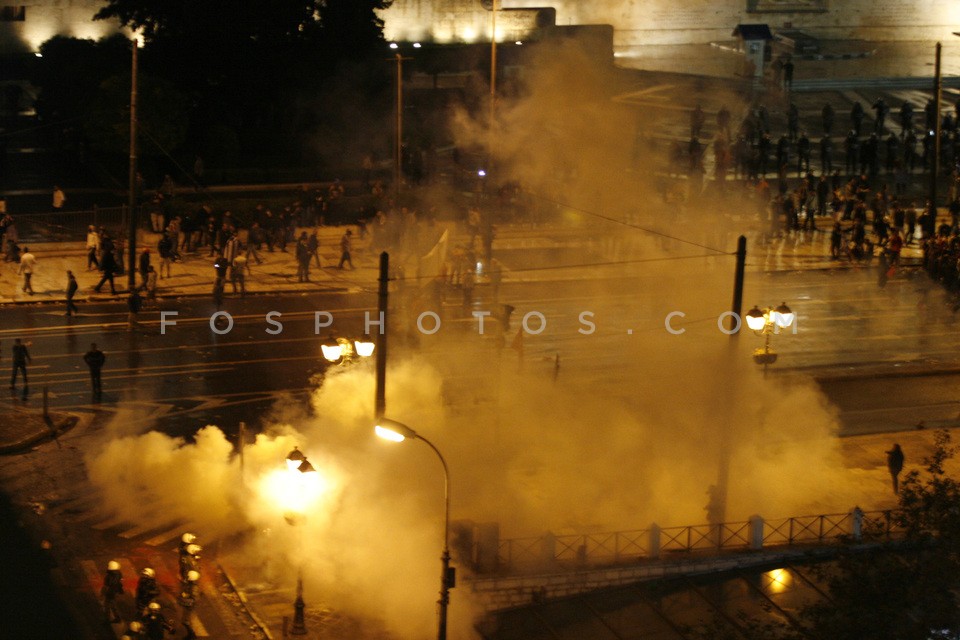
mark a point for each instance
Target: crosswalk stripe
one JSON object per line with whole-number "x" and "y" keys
{"x": 166, "y": 536}
{"x": 198, "y": 629}
{"x": 80, "y": 503}
{"x": 109, "y": 524}
{"x": 141, "y": 529}
{"x": 92, "y": 572}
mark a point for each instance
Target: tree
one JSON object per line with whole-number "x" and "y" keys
{"x": 351, "y": 29}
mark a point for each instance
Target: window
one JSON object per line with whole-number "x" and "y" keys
{"x": 13, "y": 13}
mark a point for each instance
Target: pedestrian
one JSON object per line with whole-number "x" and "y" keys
{"x": 21, "y": 357}
{"x": 165, "y": 249}
{"x": 27, "y": 262}
{"x": 254, "y": 242}
{"x": 108, "y": 267}
{"x": 95, "y": 360}
{"x": 134, "y": 305}
{"x": 826, "y": 155}
{"x": 793, "y": 121}
{"x": 189, "y": 593}
{"x": 111, "y": 589}
{"x": 895, "y": 465}
{"x": 93, "y": 248}
{"x": 880, "y": 108}
{"x": 144, "y": 267}
{"x": 345, "y": 246}
{"x": 135, "y": 630}
{"x": 856, "y": 117}
{"x": 827, "y": 114}
{"x": 147, "y": 590}
{"x": 303, "y": 256}
{"x": 836, "y": 241}
{"x": 151, "y": 283}
{"x": 697, "y": 119}
{"x": 788, "y": 74}
{"x": 313, "y": 245}
{"x": 59, "y": 198}
{"x": 155, "y": 623}
{"x": 238, "y": 274}
{"x": 72, "y": 287}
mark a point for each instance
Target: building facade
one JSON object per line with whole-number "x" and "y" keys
{"x": 23, "y": 27}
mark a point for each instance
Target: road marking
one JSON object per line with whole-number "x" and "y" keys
{"x": 166, "y": 536}
{"x": 198, "y": 629}
{"x": 109, "y": 524}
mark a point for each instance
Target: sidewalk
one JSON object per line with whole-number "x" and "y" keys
{"x": 21, "y": 428}
{"x": 195, "y": 275}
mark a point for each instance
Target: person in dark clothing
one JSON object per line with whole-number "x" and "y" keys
{"x": 906, "y": 118}
{"x": 155, "y": 624}
{"x": 827, "y": 115}
{"x": 895, "y": 465}
{"x": 147, "y": 589}
{"x": 303, "y": 255}
{"x": 144, "y": 266}
{"x": 856, "y": 117}
{"x": 880, "y": 108}
{"x": 788, "y": 74}
{"x": 111, "y": 590}
{"x": 108, "y": 265}
{"x": 803, "y": 154}
{"x": 95, "y": 360}
{"x": 21, "y": 357}
{"x": 793, "y": 121}
{"x": 134, "y": 305}
{"x": 826, "y": 155}
{"x": 697, "y": 118}
{"x": 72, "y": 287}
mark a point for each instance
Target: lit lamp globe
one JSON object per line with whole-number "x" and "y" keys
{"x": 756, "y": 320}
{"x": 364, "y": 347}
{"x": 784, "y": 316}
{"x": 393, "y": 431}
{"x": 332, "y": 350}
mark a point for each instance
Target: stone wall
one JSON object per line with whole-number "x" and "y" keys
{"x": 683, "y": 21}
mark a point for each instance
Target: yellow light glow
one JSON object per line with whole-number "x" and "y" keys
{"x": 364, "y": 348}
{"x": 331, "y": 352}
{"x": 389, "y": 434}
{"x": 469, "y": 34}
{"x": 292, "y": 491}
{"x": 779, "y": 580}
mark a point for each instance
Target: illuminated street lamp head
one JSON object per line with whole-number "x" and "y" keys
{"x": 394, "y": 45}
{"x": 784, "y": 316}
{"x": 393, "y": 431}
{"x": 364, "y": 346}
{"x": 756, "y": 319}
{"x": 306, "y": 467}
{"x": 295, "y": 458}
{"x": 332, "y": 349}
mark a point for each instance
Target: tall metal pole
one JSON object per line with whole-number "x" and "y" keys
{"x": 738, "y": 282}
{"x": 398, "y": 162}
{"x": 381, "y": 349}
{"x": 493, "y": 62}
{"x": 931, "y": 225}
{"x": 447, "y": 577}
{"x": 132, "y": 185}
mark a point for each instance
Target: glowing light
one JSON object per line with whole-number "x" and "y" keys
{"x": 364, "y": 347}
{"x": 332, "y": 350}
{"x": 394, "y": 45}
{"x": 38, "y": 54}
{"x": 784, "y": 317}
{"x": 469, "y": 34}
{"x": 416, "y": 45}
{"x": 482, "y": 173}
{"x": 779, "y": 580}
{"x": 518, "y": 42}
{"x": 294, "y": 459}
{"x": 756, "y": 319}
{"x": 293, "y": 491}
{"x": 389, "y": 434}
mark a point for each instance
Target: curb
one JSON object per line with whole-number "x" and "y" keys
{"x": 71, "y": 420}
{"x": 121, "y": 297}
{"x": 243, "y": 601}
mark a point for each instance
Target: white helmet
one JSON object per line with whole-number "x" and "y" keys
{"x": 188, "y": 538}
{"x": 113, "y": 565}
{"x": 148, "y": 573}
{"x": 154, "y": 606}
{"x": 193, "y": 576}
{"x": 135, "y": 627}
{"x": 194, "y": 549}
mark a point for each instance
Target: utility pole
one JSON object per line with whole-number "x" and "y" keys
{"x": 931, "y": 226}
{"x": 381, "y": 349}
{"x": 132, "y": 185}
{"x": 738, "y": 284}
{"x": 398, "y": 159}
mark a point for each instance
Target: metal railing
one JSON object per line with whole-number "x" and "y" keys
{"x": 611, "y": 548}
{"x": 69, "y": 226}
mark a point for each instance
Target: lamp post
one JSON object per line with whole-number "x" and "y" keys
{"x": 297, "y": 463}
{"x": 398, "y": 432}
{"x": 341, "y": 350}
{"x": 765, "y": 322}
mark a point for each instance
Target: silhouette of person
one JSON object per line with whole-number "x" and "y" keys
{"x": 895, "y": 464}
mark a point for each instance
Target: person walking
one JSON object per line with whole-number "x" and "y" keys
{"x": 111, "y": 589}
{"x": 134, "y": 305}
{"x": 108, "y": 266}
{"x": 144, "y": 267}
{"x": 895, "y": 465}
{"x": 72, "y": 287}
{"x": 238, "y": 274}
{"x": 151, "y": 283}
{"x": 93, "y": 248}
{"x": 59, "y": 198}
{"x": 345, "y": 246}
{"x": 95, "y": 360}
{"x": 165, "y": 249}
{"x": 155, "y": 623}
{"x": 147, "y": 590}
{"x": 303, "y": 258}
{"x": 21, "y": 358}
{"x": 27, "y": 262}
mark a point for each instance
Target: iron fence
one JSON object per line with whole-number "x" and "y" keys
{"x": 70, "y": 226}
{"x": 608, "y": 548}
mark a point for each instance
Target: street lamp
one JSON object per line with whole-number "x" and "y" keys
{"x": 765, "y": 322}
{"x": 340, "y": 350}
{"x": 297, "y": 463}
{"x": 398, "y": 432}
